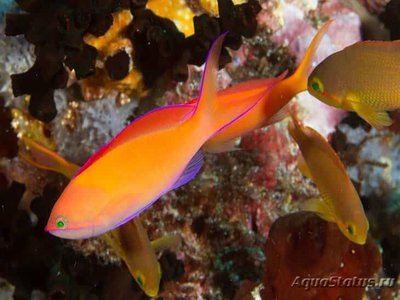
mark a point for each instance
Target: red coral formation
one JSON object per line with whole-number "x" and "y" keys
{"x": 303, "y": 246}
{"x": 272, "y": 149}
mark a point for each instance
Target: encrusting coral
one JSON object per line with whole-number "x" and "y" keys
{"x": 57, "y": 29}
{"x": 160, "y": 51}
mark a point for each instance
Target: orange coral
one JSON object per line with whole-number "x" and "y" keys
{"x": 211, "y": 6}
{"x": 107, "y": 45}
{"x": 175, "y": 10}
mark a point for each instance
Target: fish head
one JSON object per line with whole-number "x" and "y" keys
{"x": 356, "y": 229}
{"x": 76, "y": 213}
{"x": 149, "y": 282}
{"x": 325, "y": 86}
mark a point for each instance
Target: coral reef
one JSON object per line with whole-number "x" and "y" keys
{"x": 56, "y": 30}
{"x": 115, "y": 52}
{"x": 161, "y": 49}
{"x": 161, "y": 52}
{"x": 224, "y": 216}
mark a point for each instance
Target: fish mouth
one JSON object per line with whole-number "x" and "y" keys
{"x": 76, "y": 233}
{"x": 328, "y": 99}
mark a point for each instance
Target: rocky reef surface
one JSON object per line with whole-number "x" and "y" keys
{"x": 242, "y": 234}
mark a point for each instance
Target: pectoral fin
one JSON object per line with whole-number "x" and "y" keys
{"x": 321, "y": 207}
{"x": 190, "y": 171}
{"x": 377, "y": 119}
{"x": 169, "y": 242}
{"x": 303, "y": 167}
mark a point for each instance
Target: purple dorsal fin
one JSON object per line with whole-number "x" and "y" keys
{"x": 191, "y": 170}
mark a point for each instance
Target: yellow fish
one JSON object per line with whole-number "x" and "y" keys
{"x": 363, "y": 77}
{"x": 340, "y": 202}
{"x": 43, "y": 158}
{"x": 131, "y": 243}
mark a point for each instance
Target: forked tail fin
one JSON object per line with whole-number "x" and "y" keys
{"x": 299, "y": 79}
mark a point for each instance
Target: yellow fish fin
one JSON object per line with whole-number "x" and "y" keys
{"x": 377, "y": 119}
{"x": 226, "y": 146}
{"x": 172, "y": 241}
{"x": 303, "y": 167}
{"x": 322, "y": 207}
{"x": 44, "y": 158}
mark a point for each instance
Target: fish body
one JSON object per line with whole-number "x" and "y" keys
{"x": 340, "y": 202}
{"x": 363, "y": 77}
{"x": 124, "y": 178}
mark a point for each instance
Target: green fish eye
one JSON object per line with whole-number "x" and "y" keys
{"x": 350, "y": 229}
{"x": 315, "y": 86}
{"x": 139, "y": 280}
{"x": 60, "y": 223}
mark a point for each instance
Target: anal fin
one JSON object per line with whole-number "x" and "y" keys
{"x": 321, "y": 207}
{"x": 168, "y": 242}
{"x": 191, "y": 170}
{"x": 377, "y": 119}
{"x": 303, "y": 167}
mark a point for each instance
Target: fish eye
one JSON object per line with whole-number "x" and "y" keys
{"x": 351, "y": 229}
{"x": 140, "y": 279}
{"x": 61, "y": 222}
{"x": 317, "y": 85}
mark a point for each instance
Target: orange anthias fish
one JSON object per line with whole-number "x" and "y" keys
{"x": 266, "y": 111}
{"x": 127, "y": 176}
{"x": 130, "y": 241}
